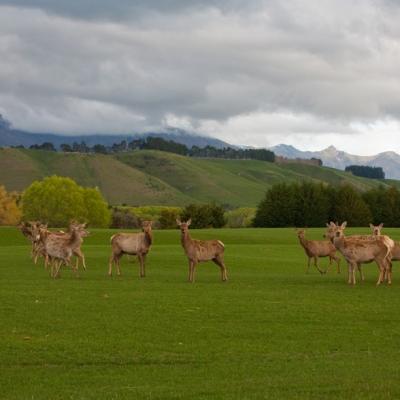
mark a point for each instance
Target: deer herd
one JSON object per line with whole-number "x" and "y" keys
{"x": 57, "y": 248}
{"x": 356, "y": 250}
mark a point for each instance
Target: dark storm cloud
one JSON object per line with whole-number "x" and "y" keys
{"x": 290, "y": 67}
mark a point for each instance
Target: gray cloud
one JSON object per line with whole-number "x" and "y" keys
{"x": 122, "y": 67}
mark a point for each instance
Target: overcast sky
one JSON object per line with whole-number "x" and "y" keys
{"x": 256, "y": 72}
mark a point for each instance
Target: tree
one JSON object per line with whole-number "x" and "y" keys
{"x": 278, "y": 209}
{"x": 97, "y": 212}
{"x": 349, "y": 206}
{"x": 65, "y": 147}
{"x": 204, "y": 215}
{"x": 10, "y": 213}
{"x": 58, "y": 200}
{"x": 366, "y": 171}
{"x": 99, "y": 148}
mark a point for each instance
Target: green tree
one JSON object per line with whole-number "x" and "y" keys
{"x": 278, "y": 208}
{"x": 58, "y": 200}
{"x": 204, "y": 215}
{"x": 97, "y": 212}
{"x": 349, "y": 206}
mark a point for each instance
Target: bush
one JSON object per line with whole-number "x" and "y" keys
{"x": 10, "y": 213}
{"x": 168, "y": 218}
{"x": 204, "y": 215}
{"x": 240, "y": 218}
{"x": 124, "y": 219}
{"x": 57, "y": 200}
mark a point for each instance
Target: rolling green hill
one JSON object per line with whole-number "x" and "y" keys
{"x": 159, "y": 178}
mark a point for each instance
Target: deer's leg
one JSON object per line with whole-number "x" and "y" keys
{"x": 381, "y": 273}
{"x": 117, "y": 261}
{"x": 110, "y": 264}
{"x": 308, "y": 265}
{"x": 329, "y": 265}
{"x": 337, "y": 259}
{"x": 360, "y": 271}
{"x": 194, "y": 264}
{"x": 349, "y": 280}
{"x": 316, "y": 265}
{"x": 190, "y": 271}
{"x": 220, "y": 262}
{"x": 141, "y": 258}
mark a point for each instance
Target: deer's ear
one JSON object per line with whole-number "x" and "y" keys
{"x": 332, "y": 224}
{"x": 344, "y": 224}
{"x": 371, "y": 226}
{"x": 381, "y": 225}
{"x": 178, "y": 221}
{"x": 189, "y": 221}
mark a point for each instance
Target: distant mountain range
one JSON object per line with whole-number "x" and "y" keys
{"x": 332, "y": 157}
{"x": 15, "y": 137}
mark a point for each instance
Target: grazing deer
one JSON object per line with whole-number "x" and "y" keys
{"x": 59, "y": 248}
{"x": 357, "y": 251}
{"x": 318, "y": 248}
{"x": 201, "y": 250}
{"x": 132, "y": 244}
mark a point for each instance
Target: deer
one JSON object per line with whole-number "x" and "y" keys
{"x": 201, "y": 250}
{"x": 59, "y": 248}
{"x": 361, "y": 250}
{"x": 395, "y": 246}
{"x": 30, "y": 230}
{"x": 318, "y": 248}
{"x": 138, "y": 244}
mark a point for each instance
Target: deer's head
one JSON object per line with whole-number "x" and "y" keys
{"x": 184, "y": 226}
{"x": 146, "y": 226}
{"x": 301, "y": 233}
{"x": 376, "y": 229}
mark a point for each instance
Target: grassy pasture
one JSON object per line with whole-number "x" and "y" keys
{"x": 270, "y": 332}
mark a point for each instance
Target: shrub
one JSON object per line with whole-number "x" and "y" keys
{"x": 124, "y": 219}
{"x": 240, "y": 218}
{"x": 10, "y": 213}
{"x": 57, "y": 200}
{"x": 204, "y": 215}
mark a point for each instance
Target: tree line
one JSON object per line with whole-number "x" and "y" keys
{"x": 161, "y": 144}
{"x": 310, "y": 204}
{"x": 366, "y": 171}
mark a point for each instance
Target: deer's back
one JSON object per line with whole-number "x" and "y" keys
{"x": 204, "y": 250}
{"x": 130, "y": 243}
{"x": 364, "y": 250}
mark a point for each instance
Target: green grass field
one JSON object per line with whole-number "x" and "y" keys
{"x": 270, "y": 332}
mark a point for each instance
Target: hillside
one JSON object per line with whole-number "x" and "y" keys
{"x": 158, "y": 178}
{"x": 332, "y": 157}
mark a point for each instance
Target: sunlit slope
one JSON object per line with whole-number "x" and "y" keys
{"x": 118, "y": 182}
{"x": 159, "y": 178}
{"x": 233, "y": 182}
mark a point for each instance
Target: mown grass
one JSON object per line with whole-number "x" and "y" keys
{"x": 270, "y": 332}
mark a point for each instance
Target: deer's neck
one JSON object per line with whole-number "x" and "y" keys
{"x": 148, "y": 238}
{"x": 186, "y": 240}
{"x": 303, "y": 241}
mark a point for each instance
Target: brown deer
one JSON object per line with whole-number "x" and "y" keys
{"x": 394, "y": 246}
{"x": 201, "y": 250}
{"x": 318, "y": 248}
{"x": 357, "y": 251}
{"x": 59, "y": 248}
{"x": 132, "y": 244}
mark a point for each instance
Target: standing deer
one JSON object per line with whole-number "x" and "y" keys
{"x": 394, "y": 246}
{"x": 357, "y": 251}
{"x": 318, "y": 248}
{"x": 59, "y": 248}
{"x": 201, "y": 250}
{"x": 132, "y": 244}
